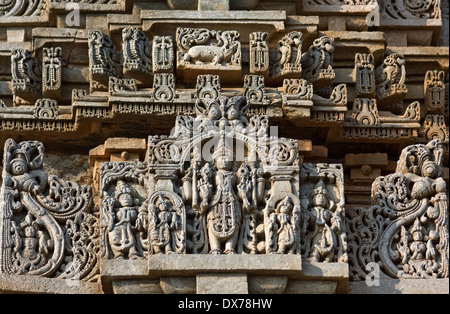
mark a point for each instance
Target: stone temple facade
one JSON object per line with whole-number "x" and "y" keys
{"x": 224, "y": 146}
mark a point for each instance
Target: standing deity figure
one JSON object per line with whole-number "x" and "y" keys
{"x": 122, "y": 214}
{"x": 323, "y": 239}
{"x": 165, "y": 224}
{"x": 224, "y": 215}
{"x": 284, "y": 223}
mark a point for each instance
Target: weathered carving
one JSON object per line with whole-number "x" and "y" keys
{"x": 254, "y": 90}
{"x": 285, "y": 58}
{"x": 46, "y": 109}
{"x": 208, "y": 86}
{"x": 46, "y": 223}
{"x": 259, "y": 53}
{"x": 199, "y": 45}
{"x": 365, "y": 74}
{"x": 390, "y": 79}
{"x": 366, "y": 121}
{"x": 163, "y": 55}
{"x": 137, "y": 54}
{"x": 421, "y": 9}
{"x": 164, "y": 87}
{"x": 117, "y": 85}
{"x": 22, "y": 8}
{"x": 51, "y": 72}
{"x": 406, "y": 229}
{"x": 223, "y": 191}
{"x": 282, "y": 223}
{"x": 104, "y": 60}
{"x": 317, "y": 62}
{"x": 434, "y": 127}
{"x": 365, "y": 112}
{"x": 331, "y": 109}
{"x": 123, "y": 211}
{"x": 300, "y": 87}
{"x": 26, "y": 74}
{"x": 323, "y": 233}
{"x": 434, "y": 90}
{"x": 201, "y": 51}
{"x": 167, "y": 229}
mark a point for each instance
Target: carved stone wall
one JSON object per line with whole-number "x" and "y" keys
{"x": 283, "y": 146}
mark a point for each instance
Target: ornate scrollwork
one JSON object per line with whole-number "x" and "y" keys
{"x": 406, "y": 229}
{"x": 42, "y": 219}
{"x": 21, "y": 8}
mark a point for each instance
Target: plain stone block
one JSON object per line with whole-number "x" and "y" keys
{"x": 136, "y": 286}
{"x": 213, "y": 5}
{"x": 311, "y": 287}
{"x": 267, "y": 284}
{"x": 222, "y": 284}
{"x": 178, "y": 285}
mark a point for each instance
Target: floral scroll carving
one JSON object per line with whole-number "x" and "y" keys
{"x": 47, "y": 225}
{"x": 406, "y": 229}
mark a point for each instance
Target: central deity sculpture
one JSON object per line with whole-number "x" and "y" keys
{"x": 211, "y": 187}
{"x": 224, "y": 216}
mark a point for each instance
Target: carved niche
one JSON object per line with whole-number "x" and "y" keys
{"x": 406, "y": 229}
{"x": 218, "y": 184}
{"x": 47, "y": 224}
{"x": 221, "y": 164}
{"x": 122, "y": 210}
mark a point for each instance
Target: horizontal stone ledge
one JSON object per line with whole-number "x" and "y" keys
{"x": 214, "y": 15}
{"x": 191, "y": 264}
{"x": 176, "y": 264}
